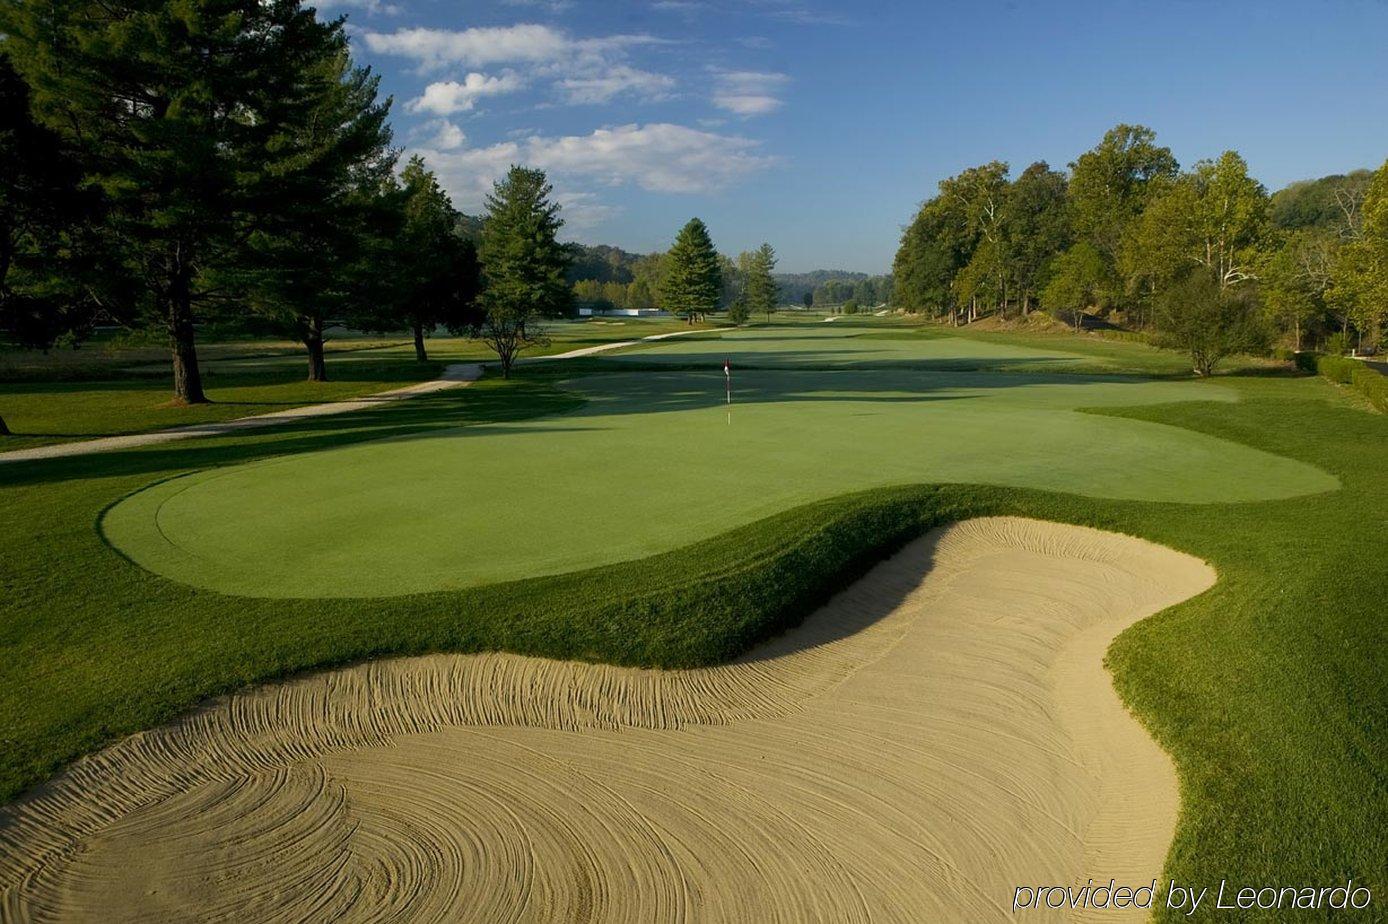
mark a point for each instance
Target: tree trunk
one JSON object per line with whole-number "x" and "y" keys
{"x": 419, "y": 352}
{"x": 187, "y": 377}
{"x": 4, "y": 430}
{"x": 313, "y": 341}
{"x": 1296, "y": 326}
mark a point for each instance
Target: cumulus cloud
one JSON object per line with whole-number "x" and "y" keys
{"x": 446, "y": 97}
{"x": 748, "y": 93}
{"x": 367, "y": 6}
{"x": 660, "y": 157}
{"x": 583, "y": 210}
{"x": 604, "y": 85}
{"x": 444, "y": 135}
{"x": 527, "y": 43}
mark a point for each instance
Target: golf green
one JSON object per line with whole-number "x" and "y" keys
{"x": 656, "y": 459}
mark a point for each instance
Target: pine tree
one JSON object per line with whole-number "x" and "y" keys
{"x": 693, "y": 280}
{"x": 763, "y": 293}
{"x": 176, "y": 109}
{"x": 311, "y": 255}
{"x": 45, "y": 224}
{"x": 523, "y": 265}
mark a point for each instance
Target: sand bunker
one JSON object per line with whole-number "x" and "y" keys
{"x": 937, "y": 734}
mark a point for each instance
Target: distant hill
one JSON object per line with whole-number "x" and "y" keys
{"x": 795, "y": 285}
{"x": 602, "y": 263}
{"x": 1314, "y": 203}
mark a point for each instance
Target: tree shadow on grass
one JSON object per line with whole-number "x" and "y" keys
{"x": 538, "y": 391}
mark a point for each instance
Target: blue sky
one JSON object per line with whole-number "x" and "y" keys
{"x": 819, "y": 126}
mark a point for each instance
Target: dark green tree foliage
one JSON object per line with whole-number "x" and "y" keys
{"x": 425, "y": 273}
{"x": 1110, "y": 184}
{"x": 44, "y": 227}
{"x": 693, "y": 279}
{"x": 932, "y": 250}
{"x": 175, "y": 109}
{"x": 601, "y": 263}
{"x": 1331, "y": 203}
{"x": 1036, "y": 221}
{"x": 1078, "y": 279}
{"x": 1209, "y": 320}
{"x": 762, "y": 292}
{"x": 737, "y": 311}
{"x": 523, "y": 265}
{"x": 309, "y": 258}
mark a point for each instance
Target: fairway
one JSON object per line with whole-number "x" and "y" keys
{"x": 655, "y": 460}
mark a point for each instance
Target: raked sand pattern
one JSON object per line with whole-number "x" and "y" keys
{"x": 937, "y": 734}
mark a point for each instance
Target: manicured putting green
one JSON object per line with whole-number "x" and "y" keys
{"x": 656, "y": 460}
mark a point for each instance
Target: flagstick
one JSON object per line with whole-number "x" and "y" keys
{"x": 728, "y": 377}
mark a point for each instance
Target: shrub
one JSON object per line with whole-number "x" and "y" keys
{"x": 1351, "y": 372}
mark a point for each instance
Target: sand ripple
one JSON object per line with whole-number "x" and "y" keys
{"x": 938, "y": 733}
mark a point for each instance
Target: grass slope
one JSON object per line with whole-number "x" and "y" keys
{"x": 1270, "y": 689}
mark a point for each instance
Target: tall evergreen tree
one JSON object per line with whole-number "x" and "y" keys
{"x": 693, "y": 281}
{"x": 435, "y": 274}
{"x": 46, "y": 280}
{"x": 310, "y": 256}
{"x": 523, "y": 266}
{"x": 763, "y": 293}
{"x": 176, "y": 109}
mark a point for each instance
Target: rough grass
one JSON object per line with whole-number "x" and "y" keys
{"x": 115, "y": 386}
{"x": 1269, "y": 690}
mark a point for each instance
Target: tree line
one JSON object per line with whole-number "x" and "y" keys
{"x": 170, "y": 164}
{"x": 867, "y": 292}
{"x": 691, "y": 280}
{"x": 1203, "y": 258}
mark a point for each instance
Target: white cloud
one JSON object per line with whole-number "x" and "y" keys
{"x": 603, "y": 86}
{"x": 660, "y": 157}
{"x": 368, "y": 6}
{"x": 554, "y": 6}
{"x": 449, "y": 96}
{"x": 524, "y": 43}
{"x": 747, "y": 93}
{"x": 446, "y": 136}
{"x": 584, "y": 210}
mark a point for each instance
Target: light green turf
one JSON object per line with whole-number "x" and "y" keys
{"x": 849, "y": 344}
{"x": 656, "y": 460}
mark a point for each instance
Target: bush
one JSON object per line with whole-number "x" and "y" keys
{"x": 850, "y": 307}
{"x": 1349, "y": 372}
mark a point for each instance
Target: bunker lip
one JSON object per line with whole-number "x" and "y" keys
{"x": 939, "y": 732}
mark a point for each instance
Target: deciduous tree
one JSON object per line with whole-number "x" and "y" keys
{"x": 1110, "y": 184}
{"x": 1208, "y": 319}
{"x": 1078, "y": 279}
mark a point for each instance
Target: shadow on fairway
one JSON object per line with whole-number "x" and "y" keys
{"x": 576, "y": 391}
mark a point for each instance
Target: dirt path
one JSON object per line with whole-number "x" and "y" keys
{"x": 454, "y": 375}
{"x": 937, "y": 734}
